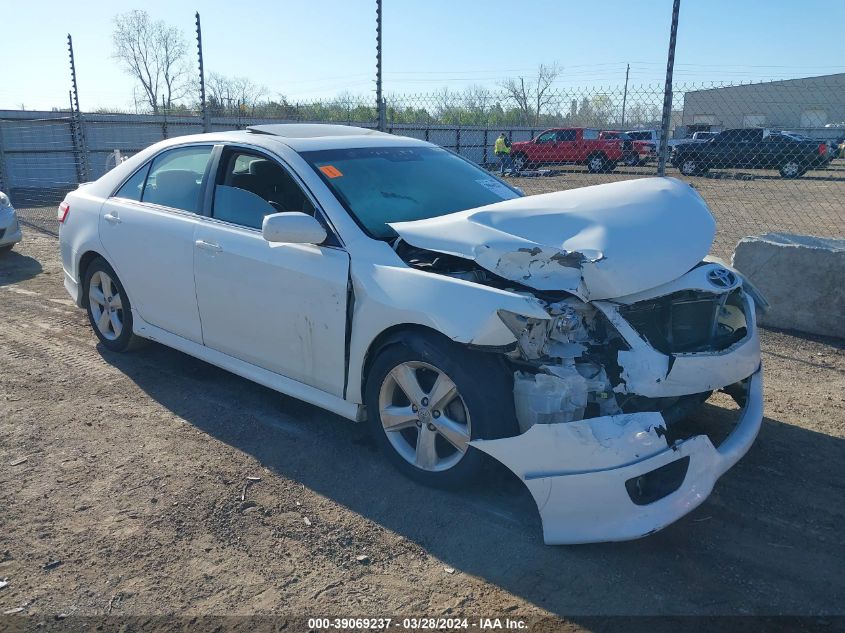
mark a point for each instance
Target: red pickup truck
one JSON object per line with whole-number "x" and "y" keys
{"x": 571, "y": 145}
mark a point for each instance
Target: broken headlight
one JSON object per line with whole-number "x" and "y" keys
{"x": 531, "y": 334}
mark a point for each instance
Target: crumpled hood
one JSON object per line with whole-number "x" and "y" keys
{"x": 596, "y": 242}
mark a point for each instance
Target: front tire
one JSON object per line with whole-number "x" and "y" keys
{"x": 108, "y": 307}
{"x": 428, "y": 397}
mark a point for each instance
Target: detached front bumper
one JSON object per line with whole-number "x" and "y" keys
{"x": 615, "y": 478}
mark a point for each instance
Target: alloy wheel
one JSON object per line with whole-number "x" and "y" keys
{"x": 423, "y": 416}
{"x": 689, "y": 167}
{"x": 106, "y": 305}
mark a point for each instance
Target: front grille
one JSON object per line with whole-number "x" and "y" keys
{"x": 689, "y": 321}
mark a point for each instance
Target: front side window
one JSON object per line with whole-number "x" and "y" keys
{"x": 378, "y": 185}
{"x": 250, "y": 186}
{"x": 547, "y": 137}
{"x": 175, "y": 178}
{"x": 567, "y": 135}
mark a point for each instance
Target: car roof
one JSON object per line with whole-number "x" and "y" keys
{"x": 318, "y": 136}
{"x": 311, "y": 130}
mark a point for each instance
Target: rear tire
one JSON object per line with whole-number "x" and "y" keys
{"x": 597, "y": 163}
{"x": 427, "y": 436}
{"x": 792, "y": 169}
{"x": 520, "y": 162}
{"x": 108, "y": 307}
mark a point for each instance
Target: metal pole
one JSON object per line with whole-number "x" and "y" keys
{"x": 79, "y": 132}
{"x": 4, "y": 178}
{"x": 667, "y": 92}
{"x": 205, "y": 122}
{"x": 625, "y": 95}
{"x": 379, "y": 101}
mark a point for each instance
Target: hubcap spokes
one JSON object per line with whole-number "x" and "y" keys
{"x": 106, "y": 305}
{"x": 419, "y": 404}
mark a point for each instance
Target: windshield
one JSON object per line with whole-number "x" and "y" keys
{"x": 794, "y": 136}
{"x": 379, "y": 185}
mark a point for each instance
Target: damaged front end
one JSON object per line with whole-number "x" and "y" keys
{"x": 640, "y": 329}
{"x": 599, "y": 390}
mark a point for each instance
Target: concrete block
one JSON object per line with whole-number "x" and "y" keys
{"x": 802, "y": 277}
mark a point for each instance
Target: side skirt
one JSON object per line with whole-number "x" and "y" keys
{"x": 269, "y": 379}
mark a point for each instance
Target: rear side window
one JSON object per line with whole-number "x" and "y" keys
{"x": 175, "y": 178}
{"x": 134, "y": 187}
{"x": 591, "y": 135}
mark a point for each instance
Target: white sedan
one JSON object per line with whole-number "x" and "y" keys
{"x": 389, "y": 280}
{"x": 10, "y": 230}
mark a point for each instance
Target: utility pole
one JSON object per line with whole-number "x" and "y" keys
{"x": 667, "y": 92}
{"x": 79, "y": 132}
{"x": 204, "y": 108}
{"x": 625, "y": 95}
{"x": 379, "y": 100}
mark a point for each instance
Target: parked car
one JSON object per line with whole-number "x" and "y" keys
{"x": 752, "y": 148}
{"x": 703, "y": 136}
{"x": 633, "y": 152}
{"x": 575, "y": 146}
{"x": 10, "y": 230}
{"x": 389, "y": 280}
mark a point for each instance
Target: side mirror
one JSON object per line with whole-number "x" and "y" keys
{"x": 293, "y": 227}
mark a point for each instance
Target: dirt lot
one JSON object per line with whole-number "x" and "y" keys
{"x": 135, "y": 467}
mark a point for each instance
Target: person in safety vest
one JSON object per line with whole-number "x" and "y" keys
{"x": 502, "y": 149}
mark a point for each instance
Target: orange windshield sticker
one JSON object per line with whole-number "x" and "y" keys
{"x": 331, "y": 171}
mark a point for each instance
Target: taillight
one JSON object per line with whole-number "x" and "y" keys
{"x": 822, "y": 148}
{"x": 64, "y": 209}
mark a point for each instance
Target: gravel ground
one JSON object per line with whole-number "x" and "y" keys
{"x": 129, "y": 501}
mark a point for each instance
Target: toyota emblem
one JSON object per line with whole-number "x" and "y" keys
{"x": 721, "y": 278}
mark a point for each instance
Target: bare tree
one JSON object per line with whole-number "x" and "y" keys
{"x": 532, "y": 95}
{"x": 477, "y": 101}
{"x": 154, "y": 53}
{"x": 223, "y": 91}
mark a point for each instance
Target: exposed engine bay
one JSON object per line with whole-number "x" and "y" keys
{"x": 566, "y": 368}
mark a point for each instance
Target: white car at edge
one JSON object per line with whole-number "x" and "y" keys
{"x": 388, "y": 280}
{"x": 10, "y": 230}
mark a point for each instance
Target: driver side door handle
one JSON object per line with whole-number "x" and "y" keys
{"x": 208, "y": 246}
{"x": 112, "y": 218}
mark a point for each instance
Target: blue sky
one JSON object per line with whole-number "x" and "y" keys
{"x": 315, "y": 49}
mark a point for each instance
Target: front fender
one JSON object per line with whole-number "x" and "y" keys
{"x": 386, "y": 296}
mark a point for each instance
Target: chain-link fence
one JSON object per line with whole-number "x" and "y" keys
{"x": 765, "y": 156}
